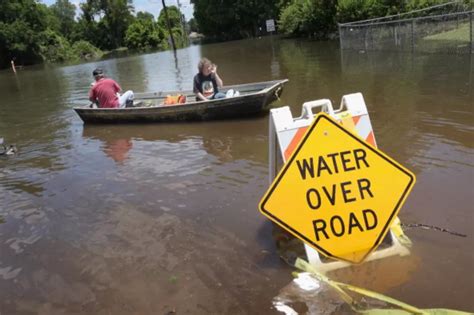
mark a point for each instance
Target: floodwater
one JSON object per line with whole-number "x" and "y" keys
{"x": 163, "y": 219}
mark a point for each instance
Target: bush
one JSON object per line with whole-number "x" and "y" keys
{"x": 356, "y": 10}
{"x": 314, "y": 18}
{"x": 142, "y": 34}
{"x": 54, "y": 47}
{"x": 292, "y": 19}
{"x": 84, "y": 50}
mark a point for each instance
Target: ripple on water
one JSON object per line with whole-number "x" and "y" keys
{"x": 9, "y": 272}
{"x": 442, "y": 143}
{"x": 158, "y": 159}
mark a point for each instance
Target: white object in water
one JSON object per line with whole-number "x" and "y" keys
{"x": 232, "y": 93}
{"x": 229, "y": 93}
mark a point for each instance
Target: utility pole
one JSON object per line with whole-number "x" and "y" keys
{"x": 169, "y": 26}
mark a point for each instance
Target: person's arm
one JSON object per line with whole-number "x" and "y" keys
{"x": 200, "y": 96}
{"x": 217, "y": 77}
{"x": 92, "y": 97}
{"x": 117, "y": 87}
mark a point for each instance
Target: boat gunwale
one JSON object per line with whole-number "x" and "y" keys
{"x": 265, "y": 90}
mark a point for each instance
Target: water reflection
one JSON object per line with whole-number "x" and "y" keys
{"x": 118, "y": 149}
{"x": 235, "y": 139}
{"x": 425, "y": 100}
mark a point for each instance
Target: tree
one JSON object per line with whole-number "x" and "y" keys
{"x": 314, "y": 18}
{"x": 145, "y": 16}
{"x": 118, "y": 16}
{"x": 355, "y": 10}
{"x": 104, "y": 22}
{"x": 143, "y": 33}
{"x": 65, "y": 12}
{"x": 168, "y": 25}
{"x": 21, "y": 25}
{"x": 193, "y": 25}
{"x": 174, "y": 17}
{"x": 229, "y": 19}
{"x": 54, "y": 47}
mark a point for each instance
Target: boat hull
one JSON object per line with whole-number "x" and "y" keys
{"x": 227, "y": 108}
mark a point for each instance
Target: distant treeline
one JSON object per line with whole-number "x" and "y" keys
{"x": 31, "y": 32}
{"x": 233, "y": 19}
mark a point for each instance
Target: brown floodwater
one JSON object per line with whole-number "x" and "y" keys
{"x": 163, "y": 219}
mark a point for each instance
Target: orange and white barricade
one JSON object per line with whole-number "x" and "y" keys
{"x": 285, "y": 133}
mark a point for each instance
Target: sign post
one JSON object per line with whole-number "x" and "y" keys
{"x": 336, "y": 192}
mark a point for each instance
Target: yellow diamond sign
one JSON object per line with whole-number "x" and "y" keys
{"x": 337, "y": 193}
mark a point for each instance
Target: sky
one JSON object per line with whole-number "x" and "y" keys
{"x": 152, "y": 6}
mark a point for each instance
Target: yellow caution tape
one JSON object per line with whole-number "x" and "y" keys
{"x": 347, "y": 121}
{"x": 398, "y": 231}
{"x": 358, "y": 308}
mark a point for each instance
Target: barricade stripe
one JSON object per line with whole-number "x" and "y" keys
{"x": 286, "y": 137}
{"x": 294, "y": 142}
{"x": 363, "y": 127}
{"x": 371, "y": 139}
{"x": 356, "y": 119}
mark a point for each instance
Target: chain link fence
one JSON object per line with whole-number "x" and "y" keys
{"x": 427, "y": 30}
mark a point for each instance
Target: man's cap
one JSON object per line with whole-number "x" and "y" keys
{"x": 97, "y": 72}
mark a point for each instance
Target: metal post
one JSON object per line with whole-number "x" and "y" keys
{"x": 340, "y": 36}
{"x": 394, "y": 33}
{"x": 371, "y": 37}
{"x": 366, "y": 45}
{"x": 470, "y": 31}
{"x": 412, "y": 35}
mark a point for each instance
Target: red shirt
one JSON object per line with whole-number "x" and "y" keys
{"x": 105, "y": 91}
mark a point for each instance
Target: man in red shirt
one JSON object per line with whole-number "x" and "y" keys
{"x": 105, "y": 92}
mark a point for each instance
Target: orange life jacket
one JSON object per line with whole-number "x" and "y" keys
{"x": 175, "y": 99}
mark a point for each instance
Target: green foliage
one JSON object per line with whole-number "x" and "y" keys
{"x": 215, "y": 20}
{"x": 51, "y": 21}
{"x": 143, "y": 34}
{"x": 193, "y": 26}
{"x": 64, "y": 11}
{"x": 421, "y": 4}
{"x": 232, "y": 19}
{"x": 309, "y": 17}
{"x": 116, "y": 21}
{"x": 32, "y": 32}
{"x": 104, "y": 23}
{"x": 83, "y": 50}
{"x": 21, "y": 23}
{"x": 54, "y": 47}
{"x": 176, "y": 25}
{"x": 145, "y": 16}
{"x": 178, "y": 36}
{"x": 292, "y": 18}
{"x": 355, "y": 10}
{"x": 87, "y": 28}
{"x": 174, "y": 16}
